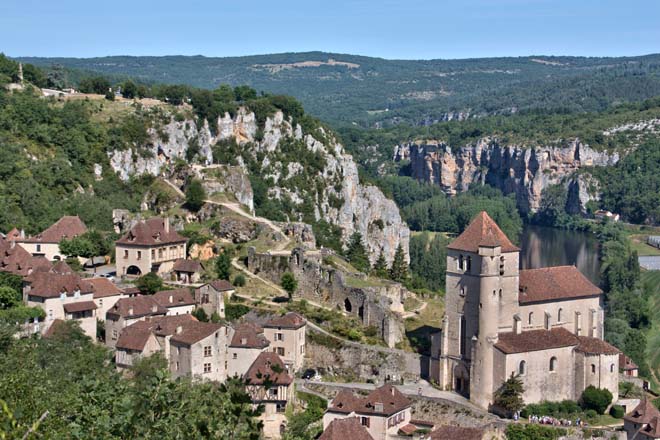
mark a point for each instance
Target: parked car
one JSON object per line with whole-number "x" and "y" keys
{"x": 311, "y": 374}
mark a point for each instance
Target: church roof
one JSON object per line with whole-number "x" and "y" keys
{"x": 590, "y": 345}
{"x": 535, "y": 340}
{"x": 554, "y": 283}
{"x": 643, "y": 413}
{"x": 482, "y": 231}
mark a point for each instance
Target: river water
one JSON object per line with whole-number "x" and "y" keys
{"x": 541, "y": 247}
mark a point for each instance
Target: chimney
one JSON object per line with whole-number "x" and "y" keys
{"x": 154, "y": 308}
{"x": 378, "y": 407}
{"x": 166, "y": 225}
{"x": 179, "y": 329}
{"x": 130, "y": 311}
{"x": 243, "y": 341}
{"x": 391, "y": 391}
{"x": 13, "y": 244}
{"x": 170, "y": 299}
{"x": 22, "y": 233}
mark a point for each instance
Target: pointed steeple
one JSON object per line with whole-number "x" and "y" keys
{"x": 482, "y": 232}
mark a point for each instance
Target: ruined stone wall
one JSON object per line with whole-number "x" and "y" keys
{"x": 374, "y": 305}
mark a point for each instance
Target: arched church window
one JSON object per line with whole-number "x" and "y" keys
{"x": 500, "y": 293}
{"x": 501, "y": 265}
{"x": 522, "y": 366}
{"x": 593, "y": 368}
{"x": 612, "y": 368}
{"x": 462, "y": 291}
{"x": 553, "y": 363}
{"x": 530, "y": 318}
{"x": 559, "y": 315}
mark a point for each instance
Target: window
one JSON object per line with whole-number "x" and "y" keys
{"x": 272, "y": 392}
{"x": 114, "y": 334}
{"x": 207, "y": 367}
{"x": 139, "y": 255}
{"x": 463, "y": 336}
{"x": 593, "y": 368}
{"x": 501, "y": 265}
{"x": 100, "y": 303}
{"x": 279, "y": 337}
{"x": 235, "y": 356}
{"x": 522, "y": 367}
{"x": 38, "y": 248}
{"x": 530, "y": 318}
{"x": 460, "y": 262}
{"x": 205, "y": 298}
{"x": 125, "y": 253}
{"x": 553, "y": 364}
{"x": 279, "y": 351}
{"x": 500, "y": 293}
{"x": 160, "y": 253}
{"x": 612, "y": 368}
{"x": 559, "y": 315}
{"x": 469, "y": 263}
{"x": 176, "y": 367}
{"x": 364, "y": 421}
{"x": 153, "y": 253}
{"x": 207, "y": 351}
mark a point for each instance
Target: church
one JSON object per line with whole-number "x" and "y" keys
{"x": 545, "y": 325}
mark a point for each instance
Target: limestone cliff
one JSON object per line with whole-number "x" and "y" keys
{"x": 307, "y": 170}
{"x": 523, "y": 170}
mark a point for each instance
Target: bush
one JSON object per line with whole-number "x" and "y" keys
{"x": 239, "y": 280}
{"x": 235, "y": 311}
{"x": 597, "y": 399}
{"x": 617, "y": 411}
{"x": 533, "y": 432}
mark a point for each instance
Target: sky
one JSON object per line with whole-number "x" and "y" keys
{"x": 405, "y": 29}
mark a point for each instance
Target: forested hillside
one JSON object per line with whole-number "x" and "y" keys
{"x": 347, "y": 89}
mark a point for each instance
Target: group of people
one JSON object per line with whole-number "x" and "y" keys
{"x": 547, "y": 420}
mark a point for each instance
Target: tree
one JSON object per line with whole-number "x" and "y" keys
{"x": 110, "y": 95}
{"x": 597, "y": 399}
{"x": 289, "y": 283}
{"x": 552, "y": 209}
{"x": 509, "y": 395}
{"x": 223, "y": 265}
{"x": 380, "y": 267}
{"x": 129, "y": 89}
{"x": 8, "y": 298}
{"x": 356, "y": 254}
{"x": 399, "y": 268}
{"x": 200, "y": 314}
{"x": 149, "y": 283}
{"x": 239, "y": 280}
{"x": 78, "y": 247}
{"x": 195, "y": 195}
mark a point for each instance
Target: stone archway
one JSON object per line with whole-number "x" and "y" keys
{"x": 133, "y": 270}
{"x": 461, "y": 380}
{"x": 348, "y": 306}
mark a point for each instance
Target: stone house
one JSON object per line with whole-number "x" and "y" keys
{"x": 187, "y": 271}
{"x": 345, "y": 429}
{"x": 16, "y": 260}
{"x": 246, "y": 344}
{"x": 177, "y": 302}
{"x": 106, "y": 295}
{"x": 143, "y": 338}
{"x": 62, "y": 296}
{"x": 627, "y": 367}
{"x": 150, "y": 246}
{"x": 269, "y": 384}
{"x": 125, "y": 312}
{"x": 211, "y": 296}
{"x": 643, "y": 422}
{"x": 199, "y": 351}
{"x": 47, "y": 243}
{"x": 287, "y": 338}
{"x": 384, "y": 412}
{"x": 544, "y": 324}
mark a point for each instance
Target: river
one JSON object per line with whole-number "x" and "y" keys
{"x": 542, "y": 247}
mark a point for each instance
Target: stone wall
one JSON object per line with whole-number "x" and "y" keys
{"x": 374, "y": 305}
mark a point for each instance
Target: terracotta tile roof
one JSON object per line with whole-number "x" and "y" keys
{"x": 195, "y": 332}
{"x": 66, "y": 227}
{"x": 385, "y": 401}
{"x": 345, "y": 429}
{"x": 626, "y": 364}
{"x": 174, "y": 298}
{"x": 261, "y": 370}
{"x": 249, "y": 335}
{"x": 14, "y": 259}
{"x": 457, "y": 433}
{"x": 151, "y": 233}
{"x": 62, "y": 268}
{"x": 554, "y": 283}
{"x": 643, "y": 413}
{"x": 56, "y": 327}
{"x": 291, "y": 320}
{"x": 424, "y": 423}
{"x": 103, "y": 287}
{"x": 132, "y": 290}
{"x": 589, "y": 345}
{"x": 535, "y": 340}
{"x": 136, "y": 307}
{"x": 408, "y": 429}
{"x": 80, "y": 306}
{"x": 133, "y": 338}
{"x": 14, "y": 234}
{"x": 136, "y": 335}
{"x": 51, "y": 285}
{"x": 482, "y": 231}
{"x": 190, "y": 266}
{"x": 221, "y": 285}
{"x": 652, "y": 430}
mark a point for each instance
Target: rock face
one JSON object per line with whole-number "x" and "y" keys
{"x": 330, "y": 191}
{"x": 525, "y": 171}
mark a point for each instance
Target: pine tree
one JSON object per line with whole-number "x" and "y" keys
{"x": 380, "y": 267}
{"x": 223, "y": 265}
{"x": 356, "y": 253}
{"x": 399, "y": 269}
{"x": 509, "y": 395}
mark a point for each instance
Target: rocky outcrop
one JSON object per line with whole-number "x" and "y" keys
{"x": 330, "y": 188}
{"x": 522, "y": 170}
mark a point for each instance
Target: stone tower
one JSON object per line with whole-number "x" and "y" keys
{"x": 20, "y": 73}
{"x": 482, "y": 287}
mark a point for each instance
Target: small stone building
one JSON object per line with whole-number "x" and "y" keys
{"x": 246, "y": 344}
{"x": 47, "y": 243}
{"x": 211, "y": 296}
{"x": 187, "y": 271}
{"x": 127, "y": 311}
{"x": 287, "y": 338}
{"x": 177, "y": 301}
{"x": 346, "y": 429}
{"x": 643, "y": 422}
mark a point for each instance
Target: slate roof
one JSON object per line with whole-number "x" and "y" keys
{"x": 291, "y": 320}
{"x": 80, "y": 306}
{"x": 140, "y": 305}
{"x": 457, "y": 433}
{"x": 66, "y": 227}
{"x": 346, "y": 429}
{"x": 251, "y": 334}
{"x": 14, "y": 259}
{"x": 51, "y": 285}
{"x": 103, "y": 287}
{"x": 482, "y": 231}
{"x": 261, "y": 370}
{"x": 391, "y": 399}
{"x": 554, "y": 283}
{"x": 221, "y": 285}
{"x": 151, "y": 232}
{"x": 643, "y": 413}
{"x": 535, "y": 340}
{"x": 192, "y": 334}
{"x": 190, "y": 266}
{"x": 174, "y": 298}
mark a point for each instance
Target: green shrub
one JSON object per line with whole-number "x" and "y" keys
{"x": 597, "y": 399}
{"x": 239, "y": 280}
{"x": 517, "y": 431}
{"x": 235, "y": 311}
{"x": 617, "y": 411}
